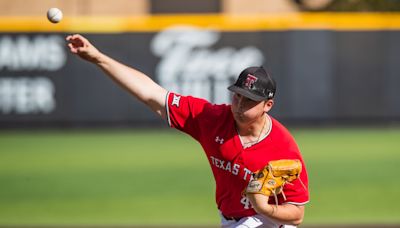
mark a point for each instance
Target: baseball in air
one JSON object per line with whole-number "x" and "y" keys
{"x": 54, "y": 15}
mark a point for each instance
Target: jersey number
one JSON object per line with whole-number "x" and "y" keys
{"x": 246, "y": 202}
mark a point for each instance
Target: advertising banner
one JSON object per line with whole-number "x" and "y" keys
{"x": 322, "y": 76}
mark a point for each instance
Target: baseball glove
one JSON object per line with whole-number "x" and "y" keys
{"x": 271, "y": 179}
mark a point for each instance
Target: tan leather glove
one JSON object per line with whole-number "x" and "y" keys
{"x": 271, "y": 179}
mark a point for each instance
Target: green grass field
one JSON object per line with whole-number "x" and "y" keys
{"x": 162, "y": 177}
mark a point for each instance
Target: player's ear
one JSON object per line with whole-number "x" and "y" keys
{"x": 268, "y": 105}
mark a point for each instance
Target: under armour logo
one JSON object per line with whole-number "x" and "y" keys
{"x": 250, "y": 80}
{"x": 219, "y": 140}
{"x": 176, "y": 100}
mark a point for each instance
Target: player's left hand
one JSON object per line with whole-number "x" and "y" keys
{"x": 271, "y": 180}
{"x": 256, "y": 199}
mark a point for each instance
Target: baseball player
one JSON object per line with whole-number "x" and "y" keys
{"x": 260, "y": 177}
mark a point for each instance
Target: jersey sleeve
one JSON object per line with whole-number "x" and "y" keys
{"x": 185, "y": 113}
{"x": 297, "y": 192}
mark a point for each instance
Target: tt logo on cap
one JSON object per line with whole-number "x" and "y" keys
{"x": 250, "y": 80}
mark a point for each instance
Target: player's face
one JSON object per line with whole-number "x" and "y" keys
{"x": 247, "y": 110}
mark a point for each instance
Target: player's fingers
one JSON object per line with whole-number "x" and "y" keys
{"x": 80, "y": 38}
{"x": 72, "y": 48}
{"x": 77, "y": 43}
{"x": 72, "y": 37}
{"x": 76, "y": 47}
{"x": 68, "y": 38}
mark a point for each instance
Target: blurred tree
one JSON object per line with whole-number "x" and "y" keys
{"x": 314, "y": 5}
{"x": 350, "y": 5}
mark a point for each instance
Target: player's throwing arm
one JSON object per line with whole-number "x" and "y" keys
{"x": 134, "y": 81}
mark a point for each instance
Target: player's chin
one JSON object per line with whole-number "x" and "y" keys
{"x": 239, "y": 117}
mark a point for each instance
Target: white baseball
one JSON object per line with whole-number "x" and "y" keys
{"x": 54, "y": 15}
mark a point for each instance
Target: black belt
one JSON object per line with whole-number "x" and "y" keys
{"x": 231, "y": 218}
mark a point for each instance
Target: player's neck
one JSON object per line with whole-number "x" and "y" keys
{"x": 252, "y": 129}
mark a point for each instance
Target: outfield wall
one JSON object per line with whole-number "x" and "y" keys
{"x": 344, "y": 69}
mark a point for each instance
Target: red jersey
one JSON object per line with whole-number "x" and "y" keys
{"x": 213, "y": 126}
